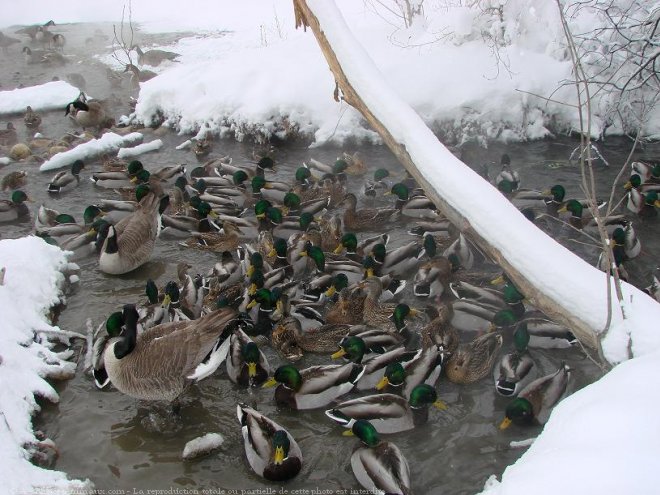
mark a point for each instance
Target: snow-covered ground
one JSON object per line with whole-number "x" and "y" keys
{"x": 248, "y": 69}
{"x": 33, "y": 282}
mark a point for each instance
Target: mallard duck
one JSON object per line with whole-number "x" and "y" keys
{"x": 546, "y": 334}
{"x": 160, "y": 363}
{"x": 389, "y": 413}
{"x": 534, "y": 402}
{"x": 154, "y": 57}
{"x": 399, "y": 262}
{"x": 648, "y": 172}
{"x": 271, "y": 451}
{"x": 156, "y": 311}
{"x": 130, "y": 242}
{"x": 650, "y": 206}
{"x": 379, "y": 466}
{"x": 355, "y": 164}
{"x": 66, "y": 180}
{"x": 191, "y": 293}
{"x": 313, "y": 387}
{"x": 168, "y": 171}
{"x": 366, "y": 218}
{"x": 417, "y": 206}
{"x": 8, "y": 136}
{"x": 577, "y": 220}
{"x": 184, "y": 226}
{"x": 349, "y": 308}
{"x": 246, "y": 364}
{"x": 14, "y": 208}
{"x": 425, "y": 367}
{"x": 432, "y": 277}
{"x": 513, "y": 371}
{"x": 376, "y": 313}
{"x": 460, "y": 253}
{"x": 118, "y": 179}
{"x": 473, "y": 361}
{"x": 31, "y": 119}
{"x": 379, "y": 183}
{"x": 357, "y": 251}
{"x": 14, "y": 180}
{"x": 226, "y": 239}
{"x": 439, "y": 331}
{"x": 507, "y": 173}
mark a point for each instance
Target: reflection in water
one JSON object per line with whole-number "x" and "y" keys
{"x": 119, "y": 442}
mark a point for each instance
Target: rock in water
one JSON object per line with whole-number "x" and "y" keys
{"x": 202, "y": 445}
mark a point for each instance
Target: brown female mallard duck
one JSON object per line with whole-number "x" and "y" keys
{"x": 365, "y": 218}
{"x": 473, "y": 361}
{"x": 349, "y": 307}
{"x": 380, "y": 314}
{"x": 225, "y": 240}
{"x": 439, "y": 331}
{"x": 14, "y": 180}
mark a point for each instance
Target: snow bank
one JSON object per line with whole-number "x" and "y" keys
{"x": 154, "y": 145}
{"x": 32, "y": 284}
{"x": 49, "y": 96}
{"x": 602, "y": 439}
{"x": 106, "y": 144}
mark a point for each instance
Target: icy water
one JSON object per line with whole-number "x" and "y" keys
{"x": 119, "y": 443}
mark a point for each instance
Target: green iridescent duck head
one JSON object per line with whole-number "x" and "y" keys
{"x": 394, "y": 376}
{"x": 519, "y": 411}
{"x": 239, "y": 177}
{"x": 250, "y": 354}
{"x": 64, "y": 218}
{"x": 401, "y": 191}
{"x": 574, "y": 207}
{"x": 634, "y": 182}
{"x": 134, "y": 167}
{"x": 18, "y": 197}
{"x": 379, "y": 251}
{"x": 424, "y": 395}
{"x": 351, "y": 348}
{"x": 381, "y": 174}
{"x": 260, "y": 208}
{"x": 274, "y": 214}
{"x": 91, "y": 213}
{"x": 266, "y": 163}
{"x": 280, "y": 248}
{"x": 141, "y": 191}
{"x": 503, "y": 319}
{"x": 258, "y": 183}
{"x": 339, "y": 282}
{"x": 430, "y": 246}
{"x": 316, "y": 254}
{"x": 305, "y": 220}
{"x": 303, "y": 175}
{"x": 281, "y": 445}
{"x": 291, "y": 201}
{"x": 339, "y": 167}
{"x": 366, "y": 432}
{"x": 558, "y": 193}
{"x": 401, "y": 312}
{"x": 287, "y": 375}
{"x": 521, "y": 337}
{"x": 348, "y": 241}
{"x": 114, "y": 324}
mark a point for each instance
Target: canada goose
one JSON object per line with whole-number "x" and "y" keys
{"x": 129, "y": 244}
{"x": 33, "y": 56}
{"x": 160, "y": 363}
{"x": 87, "y": 113}
{"x": 137, "y": 75}
{"x": 154, "y": 57}
{"x": 58, "y": 41}
{"x": 31, "y": 31}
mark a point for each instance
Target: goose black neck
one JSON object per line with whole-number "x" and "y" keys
{"x": 111, "y": 246}
{"x": 127, "y": 341}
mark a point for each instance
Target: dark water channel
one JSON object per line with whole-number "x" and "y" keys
{"x": 111, "y": 439}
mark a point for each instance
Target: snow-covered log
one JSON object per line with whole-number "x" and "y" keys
{"x": 555, "y": 280}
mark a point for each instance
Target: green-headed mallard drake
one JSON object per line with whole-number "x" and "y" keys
{"x": 66, "y": 179}
{"x": 160, "y": 363}
{"x": 156, "y": 311}
{"x": 379, "y": 466}
{"x": 534, "y": 402}
{"x": 648, "y": 172}
{"x": 14, "y": 180}
{"x": 513, "y": 371}
{"x": 417, "y": 206}
{"x": 380, "y": 314}
{"x": 399, "y": 262}
{"x": 271, "y": 451}
{"x": 14, "y": 208}
{"x": 545, "y": 334}
{"x": 389, "y": 413}
{"x": 366, "y": 218}
{"x": 473, "y": 361}
{"x": 354, "y": 348}
{"x": 129, "y": 243}
{"x": 313, "y": 387}
{"x": 577, "y": 219}
{"x": 357, "y": 251}
{"x": 118, "y": 179}
{"x": 184, "y": 226}
{"x": 650, "y": 207}
{"x": 246, "y": 364}
{"x": 379, "y": 183}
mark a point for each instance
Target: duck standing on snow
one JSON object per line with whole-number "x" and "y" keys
{"x": 129, "y": 243}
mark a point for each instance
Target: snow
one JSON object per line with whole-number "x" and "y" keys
{"x": 140, "y": 149}
{"x": 27, "y": 360}
{"x": 50, "y": 96}
{"x": 202, "y": 445}
{"x": 108, "y": 143}
{"x": 247, "y": 69}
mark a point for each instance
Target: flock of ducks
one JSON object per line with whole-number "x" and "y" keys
{"x": 308, "y": 265}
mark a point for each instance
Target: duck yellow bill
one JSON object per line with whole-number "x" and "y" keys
{"x": 656, "y": 203}
{"x": 563, "y": 209}
{"x": 331, "y": 291}
{"x": 384, "y": 382}
{"x": 370, "y": 272}
{"x": 250, "y": 270}
{"x": 440, "y": 405}
{"x": 338, "y": 249}
{"x": 279, "y": 455}
{"x": 338, "y": 354}
{"x": 497, "y": 281}
{"x": 506, "y": 422}
{"x": 252, "y": 369}
{"x": 627, "y": 185}
{"x": 167, "y": 300}
{"x": 272, "y": 253}
{"x": 271, "y": 382}
{"x": 348, "y": 433}
{"x": 261, "y": 216}
{"x": 252, "y": 304}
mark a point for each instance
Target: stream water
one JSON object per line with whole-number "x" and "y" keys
{"x": 112, "y": 439}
